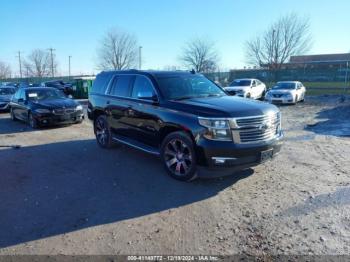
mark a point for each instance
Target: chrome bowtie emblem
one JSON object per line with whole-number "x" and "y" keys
{"x": 264, "y": 126}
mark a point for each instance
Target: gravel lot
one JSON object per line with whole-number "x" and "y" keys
{"x": 61, "y": 194}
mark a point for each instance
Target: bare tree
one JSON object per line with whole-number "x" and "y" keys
{"x": 200, "y": 55}
{"x": 288, "y": 36}
{"x": 118, "y": 51}
{"x": 38, "y": 63}
{"x": 5, "y": 70}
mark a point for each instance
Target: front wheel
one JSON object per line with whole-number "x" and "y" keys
{"x": 32, "y": 121}
{"x": 178, "y": 156}
{"x": 103, "y": 132}
{"x": 12, "y": 114}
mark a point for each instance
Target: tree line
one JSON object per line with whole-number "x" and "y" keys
{"x": 119, "y": 50}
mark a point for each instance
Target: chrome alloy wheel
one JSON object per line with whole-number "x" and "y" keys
{"x": 101, "y": 131}
{"x": 178, "y": 157}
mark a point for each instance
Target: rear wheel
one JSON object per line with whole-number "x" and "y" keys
{"x": 103, "y": 132}
{"x": 178, "y": 156}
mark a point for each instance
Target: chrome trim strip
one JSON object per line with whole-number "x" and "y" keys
{"x": 135, "y": 146}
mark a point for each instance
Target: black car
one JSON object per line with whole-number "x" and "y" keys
{"x": 66, "y": 88}
{"x": 189, "y": 121}
{"x": 42, "y": 106}
{"x": 6, "y": 93}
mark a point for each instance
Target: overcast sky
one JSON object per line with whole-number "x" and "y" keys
{"x": 161, "y": 27}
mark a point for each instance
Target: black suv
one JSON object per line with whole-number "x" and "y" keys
{"x": 186, "y": 119}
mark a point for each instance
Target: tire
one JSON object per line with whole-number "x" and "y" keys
{"x": 103, "y": 132}
{"x": 248, "y": 95}
{"x": 296, "y": 100}
{"x": 32, "y": 121}
{"x": 12, "y": 115}
{"x": 178, "y": 156}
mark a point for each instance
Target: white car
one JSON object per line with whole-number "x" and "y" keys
{"x": 250, "y": 88}
{"x": 286, "y": 92}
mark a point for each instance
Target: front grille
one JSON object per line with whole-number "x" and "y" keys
{"x": 256, "y": 129}
{"x": 277, "y": 95}
{"x": 63, "y": 111}
{"x": 232, "y": 93}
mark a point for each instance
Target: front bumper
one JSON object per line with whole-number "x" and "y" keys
{"x": 280, "y": 100}
{"x": 52, "y": 119}
{"x": 217, "y": 158}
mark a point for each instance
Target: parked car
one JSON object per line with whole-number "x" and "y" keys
{"x": 41, "y": 106}
{"x": 286, "y": 92}
{"x": 184, "y": 118}
{"x": 6, "y": 93}
{"x": 250, "y": 88}
{"x": 66, "y": 88}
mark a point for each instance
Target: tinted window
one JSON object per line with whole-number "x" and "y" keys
{"x": 142, "y": 85}
{"x": 240, "y": 83}
{"x": 285, "y": 85}
{"x": 101, "y": 82}
{"x": 17, "y": 94}
{"x": 7, "y": 91}
{"x": 188, "y": 86}
{"x": 121, "y": 86}
{"x": 44, "y": 94}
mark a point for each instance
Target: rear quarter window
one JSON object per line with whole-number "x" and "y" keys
{"x": 101, "y": 82}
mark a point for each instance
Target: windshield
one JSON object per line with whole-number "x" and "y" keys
{"x": 35, "y": 95}
{"x": 7, "y": 91}
{"x": 285, "y": 86}
{"x": 183, "y": 87}
{"x": 241, "y": 83}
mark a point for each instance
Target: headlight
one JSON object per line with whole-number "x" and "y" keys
{"x": 79, "y": 107}
{"x": 288, "y": 95}
{"x": 42, "y": 111}
{"x": 217, "y": 129}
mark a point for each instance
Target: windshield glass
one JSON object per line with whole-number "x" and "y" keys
{"x": 285, "y": 86}
{"x": 7, "y": 91}
{"x": 34, "y": 95}
{"x": 241, "y": 83}
{"x": 183, "y": 87}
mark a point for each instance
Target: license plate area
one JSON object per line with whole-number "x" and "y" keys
{"x": 266, "y": 155}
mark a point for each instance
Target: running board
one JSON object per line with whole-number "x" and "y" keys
{"x": 135, "y": 144}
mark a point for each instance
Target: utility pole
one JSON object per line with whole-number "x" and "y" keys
{"x": 20, "y": 63}
{"x": 140, "y": 47}
{"x": 69, "y": 57}
{"x": 52, "y": 69}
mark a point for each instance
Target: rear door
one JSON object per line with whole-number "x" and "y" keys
{"x": 118, "y": 108}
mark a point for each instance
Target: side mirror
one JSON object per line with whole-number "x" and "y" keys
{"x": 146, "y": 95}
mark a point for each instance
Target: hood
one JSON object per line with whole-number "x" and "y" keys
{"x": 281, "y": 91}
{"x": 226, "y": 106}
{"x": 56, "y": 103}
{"x": 236, "y": 88}
{"x": 5, "y": 98}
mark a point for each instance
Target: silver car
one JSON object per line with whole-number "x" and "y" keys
{"x": 286, "y": 92}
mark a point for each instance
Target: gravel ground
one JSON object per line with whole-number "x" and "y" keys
{"x": 61, "y": 194}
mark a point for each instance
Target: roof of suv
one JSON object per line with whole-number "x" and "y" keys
{"x": 155, "y": 73}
